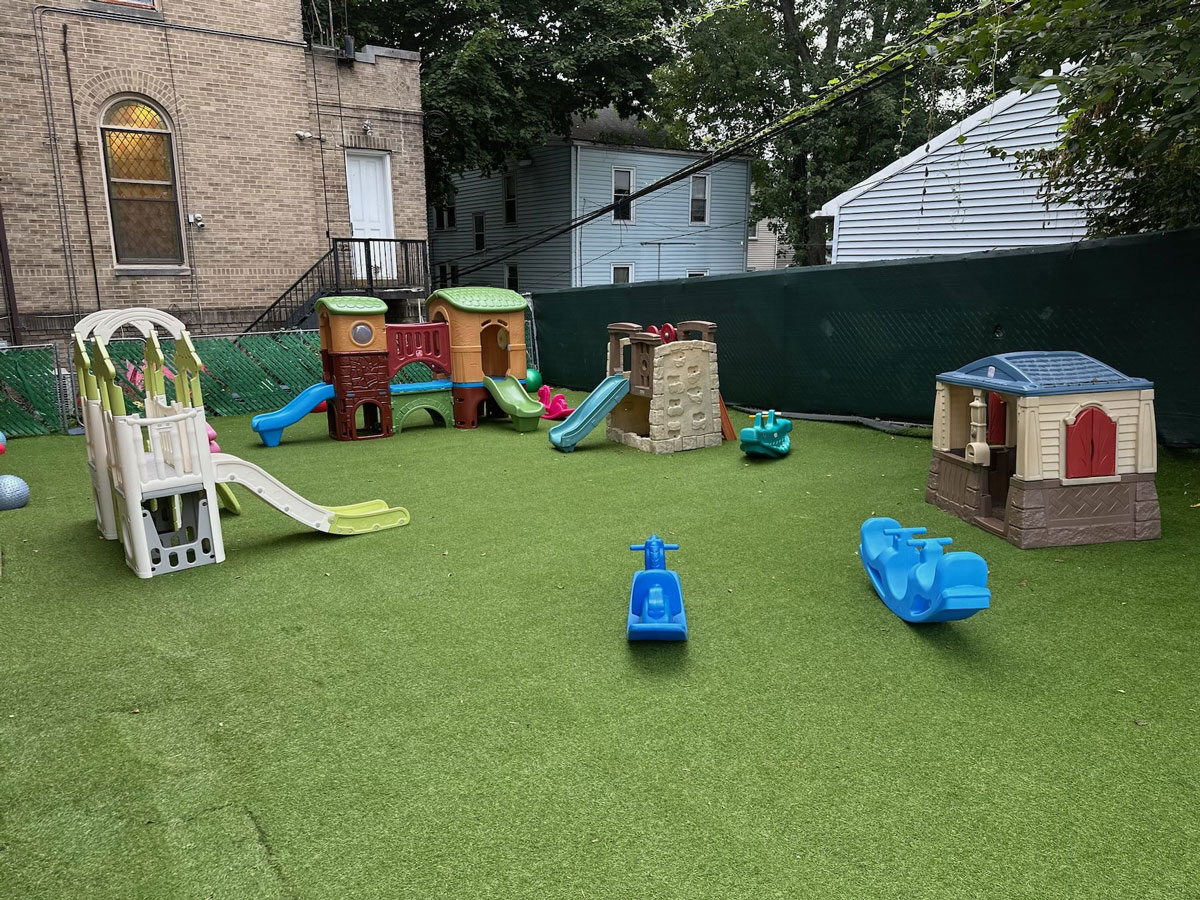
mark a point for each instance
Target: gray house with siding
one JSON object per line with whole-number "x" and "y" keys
{"x": 695, "y": 227}
{"x": 952, "y": 195}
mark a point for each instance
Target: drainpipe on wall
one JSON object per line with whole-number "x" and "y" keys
{"x": 87, "y": 213}
{"x": 10, "y": 294}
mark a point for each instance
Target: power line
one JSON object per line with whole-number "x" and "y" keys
{"x": 525, "y": 237}
{"x": 837, "y": 93}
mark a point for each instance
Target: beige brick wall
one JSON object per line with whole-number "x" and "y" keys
{"x": 236, "y": 102}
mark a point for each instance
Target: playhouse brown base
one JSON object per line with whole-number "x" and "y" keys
{"x": 467, "y": 402}
{"x": 1045, "y": 513}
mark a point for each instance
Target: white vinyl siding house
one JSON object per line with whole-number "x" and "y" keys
{"x": 764, "y": 249}
{"x": 661, "y": 240}
{"x": 954, "y": 196}
{"x": 695, "y": 225}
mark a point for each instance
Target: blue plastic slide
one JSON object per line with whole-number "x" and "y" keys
{"x": 589, "y": 413}
{"x": 270, "y": 425}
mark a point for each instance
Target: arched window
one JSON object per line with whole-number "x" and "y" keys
{"x": 139, "y": 166}
{"x": 1091, "y": 445}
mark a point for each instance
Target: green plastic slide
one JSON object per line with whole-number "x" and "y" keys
{"x": 524, "y": 410}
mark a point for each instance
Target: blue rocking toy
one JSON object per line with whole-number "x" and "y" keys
{"x": 656, "y": 597}
{"x": 769, "y": 436}
{"x": 916, "y": 579}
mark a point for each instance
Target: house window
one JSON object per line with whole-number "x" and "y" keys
{"x": 140, "y": 4}
{"x": 510, "y": 278}
{"x": 139, "y": 168}
{"x": 480, "y": 241}
{"x": 443, "y": 276}
{"x": 454, "y": 276}
{"x": 752, "y": 231}
{"x": 1091, "y": 445}
{"x": 622, "y": 274}
{"x": 697, "y": 273}
{"x": 445, "y": 216}
{"x": 510, "y": 199}
{"x": 622, "y": 185}
{"x": 699, "y": 211}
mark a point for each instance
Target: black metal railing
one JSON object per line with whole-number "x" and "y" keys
{"x": 351, "y": 266}
{"x": 297, "y": 300}
{"x": 381, "y": 264}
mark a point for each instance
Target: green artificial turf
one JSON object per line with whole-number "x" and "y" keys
{"x": 451, "y": 709}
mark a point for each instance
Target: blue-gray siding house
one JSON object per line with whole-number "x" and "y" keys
{"x": 694, "y": 227}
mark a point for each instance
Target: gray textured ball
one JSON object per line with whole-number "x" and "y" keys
{"x": 14, "y": 492}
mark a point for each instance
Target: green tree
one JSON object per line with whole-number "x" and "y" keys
{"x": 749, "y": 64}
{"x": 499, "y": 76}
{"x": 1130, "y": 154}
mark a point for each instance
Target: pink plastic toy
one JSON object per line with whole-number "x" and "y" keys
{"x": 212, "y": 440}
{"x": 556, "y": 408}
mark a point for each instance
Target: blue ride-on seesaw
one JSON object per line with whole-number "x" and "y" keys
{"x": 916, "y": 579}
{"x": 769, "y": 436}
{"x": 656, "y": 597}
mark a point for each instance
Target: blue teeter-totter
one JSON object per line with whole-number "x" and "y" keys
{"x": 769, "y": 436}
{"x": 656, "y": 598}
{"x": 916, "y": 579}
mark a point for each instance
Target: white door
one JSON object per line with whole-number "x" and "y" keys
{"x": 369, "y": 186}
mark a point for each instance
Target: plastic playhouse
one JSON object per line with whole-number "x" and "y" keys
{"x": 661, "y": 393}
{"x": 475, "y": 338}
{"x": 1046, "y": 449}
{"x": 656, "y": 597}
{"x": 768, "y": 436}
{"x": 156, "y": 481}
{"x": 917, "y": 580}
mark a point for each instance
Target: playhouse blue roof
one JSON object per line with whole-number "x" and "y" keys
{"x": 1039, "y": 372}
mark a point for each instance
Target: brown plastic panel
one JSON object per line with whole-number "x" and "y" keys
{"x": 706, "y": 330}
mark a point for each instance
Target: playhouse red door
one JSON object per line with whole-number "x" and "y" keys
{"x": 997, "y": 419}
{"x": 1091, "y": 445}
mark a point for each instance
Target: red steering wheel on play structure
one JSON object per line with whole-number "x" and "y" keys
{"x": 667, "y": 332}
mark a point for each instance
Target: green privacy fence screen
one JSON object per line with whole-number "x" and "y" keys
{"x": 29, "y": 401}
{"x": 868, "y": 339}
{"x": 246, "y": 374}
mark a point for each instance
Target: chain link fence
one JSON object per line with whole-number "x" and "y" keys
{"x": 242, "y": 374}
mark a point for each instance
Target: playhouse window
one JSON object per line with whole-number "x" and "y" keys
{"x": 1091, "y": 445}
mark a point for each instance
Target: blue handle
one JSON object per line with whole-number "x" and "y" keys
{"x": 894, "y": 532}
{"x": 643, "y": 546}
{"x": 922, "y": 543}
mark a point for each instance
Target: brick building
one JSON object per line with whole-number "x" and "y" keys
{"x": 198, "y": 157}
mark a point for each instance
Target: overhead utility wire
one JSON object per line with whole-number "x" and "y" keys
{"x": 837, "y": 93}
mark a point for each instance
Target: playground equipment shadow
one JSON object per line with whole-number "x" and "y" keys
{"x": 451, "y": 709}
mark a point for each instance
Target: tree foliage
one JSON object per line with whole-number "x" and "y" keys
{"x": 750, "y": 64}
{"x": 499, "y": 76}
{"x": 1129, "y": 74}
